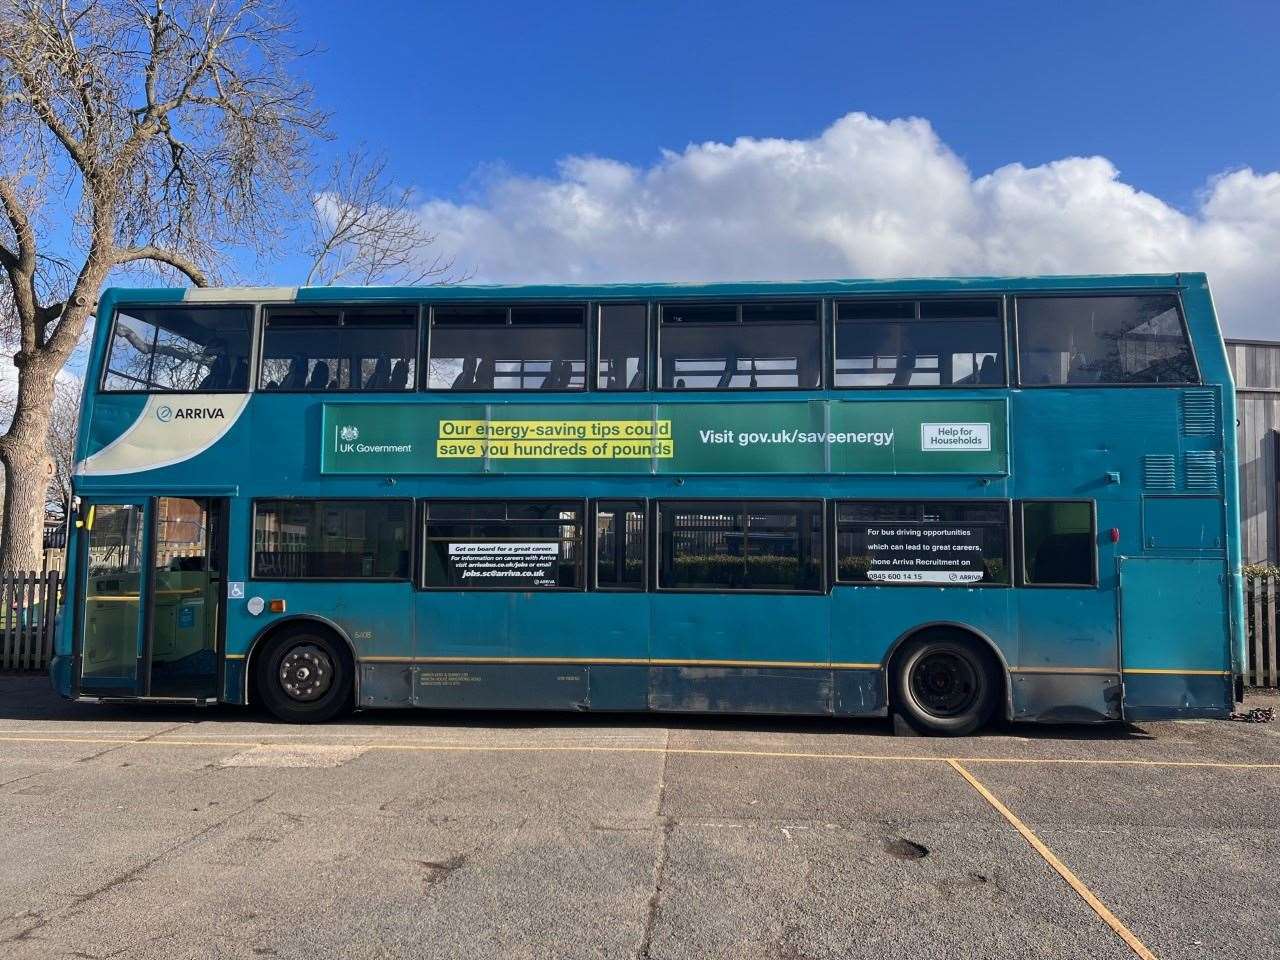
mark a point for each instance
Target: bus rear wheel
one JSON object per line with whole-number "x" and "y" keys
{"x": 945, "y": 684}
{"x": 303, "y": 675}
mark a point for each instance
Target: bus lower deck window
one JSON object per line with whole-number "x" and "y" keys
{"x": 941, "y": 543}
{"x": 331, "y": 539}
{"x": 1058, "y": 543}
{"x": 620, "y": 545}
{"x": 520, "y": 545}
{"x": 740, "y": 545}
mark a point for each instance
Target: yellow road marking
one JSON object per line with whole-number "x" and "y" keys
{"x": 1178, "y": 673}
{"x": 805, "y": 664}
{"x": 689, "y": 751}
{"x": 1098, "y": 907}
{"x": 626, "y": 661}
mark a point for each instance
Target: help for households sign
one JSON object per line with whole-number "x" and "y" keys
{"x": 955, "y": 436}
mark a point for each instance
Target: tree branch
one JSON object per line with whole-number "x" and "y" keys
{"x": 21, "y": 223}
{"x": 51, "y": 120}
{"x": 171, "y": 258}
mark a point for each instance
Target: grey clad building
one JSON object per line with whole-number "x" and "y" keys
{"x": 1255, "y": 365}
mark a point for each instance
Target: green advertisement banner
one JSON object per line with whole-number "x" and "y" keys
{"x": 733, "y": 437}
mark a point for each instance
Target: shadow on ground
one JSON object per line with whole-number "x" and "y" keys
{"x": 29, "y": 697}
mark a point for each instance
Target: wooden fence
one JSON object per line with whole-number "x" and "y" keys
{"x": 1263, "y": 670}
{"x": 29, "y": 601}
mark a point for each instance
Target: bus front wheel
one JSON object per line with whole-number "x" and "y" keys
{"x": 945, "y": 684}
{"x": 303, "y": 675}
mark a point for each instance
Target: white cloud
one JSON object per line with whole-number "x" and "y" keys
{"x": 865, "y": 198}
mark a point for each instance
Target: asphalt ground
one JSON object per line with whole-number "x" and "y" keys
{"x": 167, "y": 833}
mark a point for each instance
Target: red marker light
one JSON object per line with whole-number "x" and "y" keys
{"x": 1115, "y": 534}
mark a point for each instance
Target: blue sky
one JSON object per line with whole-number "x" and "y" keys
{"x": 1170, "y": 92}
{"x": 749, "y": 140}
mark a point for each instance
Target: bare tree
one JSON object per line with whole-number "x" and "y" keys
{"x": 64, "y": 421}
{"x": 365, "y": 230}
{"x": 132, "y": 133}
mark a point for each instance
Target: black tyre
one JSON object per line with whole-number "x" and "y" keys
{"x": 945, "y": 684}
{"x": 303, "y": 675}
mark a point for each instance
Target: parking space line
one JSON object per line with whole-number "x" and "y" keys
{"x": 1098, "y": 907}
{"x": 689, "y": 751}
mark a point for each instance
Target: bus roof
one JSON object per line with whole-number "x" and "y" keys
{"x": 623, "y": 291}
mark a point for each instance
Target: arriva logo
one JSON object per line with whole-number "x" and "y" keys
{"x": 349, "y": 433}
{"x": 165, "y": 414}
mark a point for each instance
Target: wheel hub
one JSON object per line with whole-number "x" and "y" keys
{"x": 944, "y": 683}
{"x": 306, "y": 673}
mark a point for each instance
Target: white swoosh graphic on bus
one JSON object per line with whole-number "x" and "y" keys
{"x": 170, "y": 429}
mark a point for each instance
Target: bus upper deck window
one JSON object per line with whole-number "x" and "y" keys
{"x": 624, "y": 345}
{"x": 725, "y": 346}
{"x": 487, "y": 348}
{"x": 334, "y": 348}
{"x": 180, "y": 349}
{"x": 1102, "y": 340}
{"x": 926, "y": 343}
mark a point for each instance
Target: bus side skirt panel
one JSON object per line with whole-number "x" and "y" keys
{"x": 233, "y": 684}
{"x": 624, "y": 687}
{"x": 740, "y": 690}
{"x": 60, "y": 675}
{"x": 860, "y": 693}
{"x": 1177, "y": 696}
{"x": 1065, "y": 697}
{"x": 386, "y": 685}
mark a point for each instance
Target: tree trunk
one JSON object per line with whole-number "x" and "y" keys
{"x": 24, "y": 451}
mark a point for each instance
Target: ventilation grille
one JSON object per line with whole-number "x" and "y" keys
{"x": 1157, "y": 471}
{"x": 1199, "y": 413}
{"x": 1202, "y": 470}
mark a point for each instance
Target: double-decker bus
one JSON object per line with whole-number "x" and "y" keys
{"x": 946, "y": 499}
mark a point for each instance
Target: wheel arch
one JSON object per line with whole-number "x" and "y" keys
{"x": 1006, "y": 674}
{"x": 275, "y": 626}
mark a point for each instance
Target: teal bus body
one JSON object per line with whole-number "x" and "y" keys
{"x": 1161, "y": 634}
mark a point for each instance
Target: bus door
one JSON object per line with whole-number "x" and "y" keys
{"x": 1174, "y": 637}
{"x": 150, "y": 589}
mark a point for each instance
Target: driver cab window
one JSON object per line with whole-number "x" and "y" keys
{"x": 180, "y": 349}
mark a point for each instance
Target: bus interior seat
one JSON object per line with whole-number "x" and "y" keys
{"x": 381, "y": 375}
{"x": 988, "y": 371}
{"x": 1078, "y": 370}
{"x": 399, "y": 375}
{"x": 557, "y": 377}
{"x": 730, "y": 368}
{"x": 906, "y": 366}
{"x": 240, "y": 376}
{"x": 467, "y": 378}
{"x": 319, "y": 379}
{"x": 296, "y": 378}
{"x": 485, "y": 371}
{"x": 637, "y": 382}
{"x": 219, "y": 375}
{"x": 1061, "y": 556}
